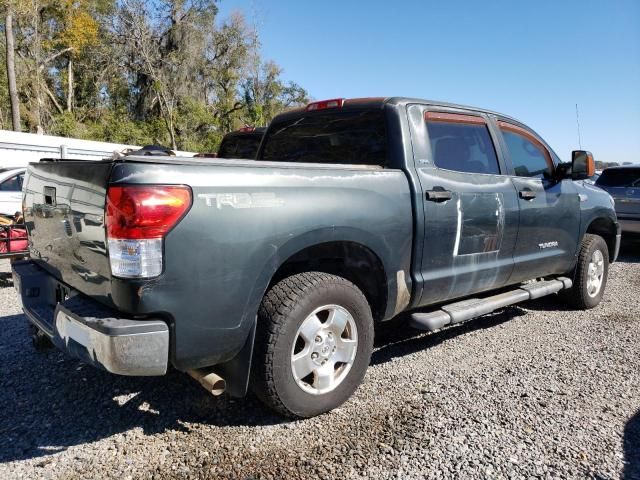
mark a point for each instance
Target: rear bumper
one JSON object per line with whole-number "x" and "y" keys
{"x": 89, "y": 331}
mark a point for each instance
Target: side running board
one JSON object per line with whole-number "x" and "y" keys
{"x": 475, "y": 307}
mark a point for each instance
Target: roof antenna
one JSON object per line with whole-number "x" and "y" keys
{"x": 578, "y": 123}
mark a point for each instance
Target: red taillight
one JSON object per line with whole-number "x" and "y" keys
{"x": 247, "y": 129}
{"x": 145, "y": 211}
{"x": 324, "y": 104}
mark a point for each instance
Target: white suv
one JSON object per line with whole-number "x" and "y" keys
{"x": 11, "y": 190}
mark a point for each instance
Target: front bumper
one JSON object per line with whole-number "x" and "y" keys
{"x": 89, "y": 331}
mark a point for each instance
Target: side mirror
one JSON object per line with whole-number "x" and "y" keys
{"x": 582, "y": 165}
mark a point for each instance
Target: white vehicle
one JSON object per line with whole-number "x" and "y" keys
{"x": 11, "y": 190}
{"x": 18, "y": 149}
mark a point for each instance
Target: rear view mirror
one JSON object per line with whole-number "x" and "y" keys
{"x": 582, "y": 165}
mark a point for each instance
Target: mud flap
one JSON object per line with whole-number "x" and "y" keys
{"x": 236, "y": 371}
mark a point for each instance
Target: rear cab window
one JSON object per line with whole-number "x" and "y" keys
{"x": 240, "y": 146}
{"x": 336, "y": 136}
{"x": 461, "y": 143}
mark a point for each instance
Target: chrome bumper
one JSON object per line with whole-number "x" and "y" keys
{"x": 89, "y": 331}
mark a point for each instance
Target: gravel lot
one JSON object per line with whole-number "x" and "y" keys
{"x": 536, "y": 391}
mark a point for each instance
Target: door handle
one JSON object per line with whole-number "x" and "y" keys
{"x": 438, "y": 194}
{"x": 527, "y": 194}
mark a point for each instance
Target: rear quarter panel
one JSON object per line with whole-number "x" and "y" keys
{"x": 247, "y": 219}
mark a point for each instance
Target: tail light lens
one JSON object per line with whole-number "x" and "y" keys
{"x": 137, "y": 219}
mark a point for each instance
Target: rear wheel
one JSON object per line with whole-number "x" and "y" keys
{"x": 590, "y": 273}
{"x": 313, "y": 344}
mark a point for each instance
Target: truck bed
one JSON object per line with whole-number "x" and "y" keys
{"x": 247, "y": 218}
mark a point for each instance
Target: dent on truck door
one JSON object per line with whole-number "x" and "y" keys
{"x": 470, "y": 208}
{"x": 549, "y": 210}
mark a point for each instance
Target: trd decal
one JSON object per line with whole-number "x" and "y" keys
{"x": 242, "y": 200}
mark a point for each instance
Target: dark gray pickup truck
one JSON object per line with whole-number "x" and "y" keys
{"x": 623, "y": 184}
{"x": 270, "y": 274}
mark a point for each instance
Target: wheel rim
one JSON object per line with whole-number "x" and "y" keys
{"x": 595, "y": 273}
{"x": 324, "y": 349}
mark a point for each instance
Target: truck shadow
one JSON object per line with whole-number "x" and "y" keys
{"x": 631, "y": 445}
{"x": 396, "y": 339}
{"x": 629, "y": 249}
{"x": 6, "y": 280}
{"x": 51, "y": 402}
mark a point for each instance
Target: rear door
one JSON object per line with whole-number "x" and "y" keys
{"x": 549, "y": 209}
{"x": 470, "y": 207}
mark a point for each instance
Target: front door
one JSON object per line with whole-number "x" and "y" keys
{"x": 549, "y": 209}
{"x": 470, "y": 207}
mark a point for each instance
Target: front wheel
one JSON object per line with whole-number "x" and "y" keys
{"x": 313, "y": 344}
{"x": 590, "y": 274}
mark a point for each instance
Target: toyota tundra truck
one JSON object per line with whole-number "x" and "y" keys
{"x": 271, "y": 274}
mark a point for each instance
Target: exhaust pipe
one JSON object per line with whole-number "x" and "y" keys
{"x": 212, "y": 382}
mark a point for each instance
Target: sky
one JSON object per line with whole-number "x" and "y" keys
{"x": 533, "y": 60}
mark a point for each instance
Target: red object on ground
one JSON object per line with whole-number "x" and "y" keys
{"x": 13, "y": 240}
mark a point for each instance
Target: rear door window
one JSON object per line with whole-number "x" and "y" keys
{"x": 342, "y": 137}
{"x": 461, "y": 143}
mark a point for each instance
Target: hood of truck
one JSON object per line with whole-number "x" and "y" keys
{"x": 64, "y": 216}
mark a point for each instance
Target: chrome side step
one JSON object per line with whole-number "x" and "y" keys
{"x": 475, "y": 307}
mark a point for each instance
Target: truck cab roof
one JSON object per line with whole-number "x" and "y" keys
{"x": 380, "y": 102}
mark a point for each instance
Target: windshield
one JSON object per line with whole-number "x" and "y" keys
{"x": 619, "y": 177}
{"x": 345, "y": 137}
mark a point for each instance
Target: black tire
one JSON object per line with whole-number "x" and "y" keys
{"x": 283, "y": 310}
{"x": 579, "y": 296}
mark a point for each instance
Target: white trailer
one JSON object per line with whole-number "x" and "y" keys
{"x": 17, "y": 149}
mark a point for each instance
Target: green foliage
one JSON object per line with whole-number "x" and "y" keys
{"x": 66, "y": 125}
{"x": 137, "y": 72}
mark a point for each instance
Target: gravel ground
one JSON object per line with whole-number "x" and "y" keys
{"x": 536, "y": 391}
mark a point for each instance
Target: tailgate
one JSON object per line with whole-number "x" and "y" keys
{"x": 64, "y": 216}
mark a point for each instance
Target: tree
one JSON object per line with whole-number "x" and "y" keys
{"x": 78, "y": 30}
{"x": 266, "y": 94}
{"x": 11, "y": 67}
{"x": 137, "y": 72}
{"x": 164, "y": 42}
{"x": 228, "y": 55}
